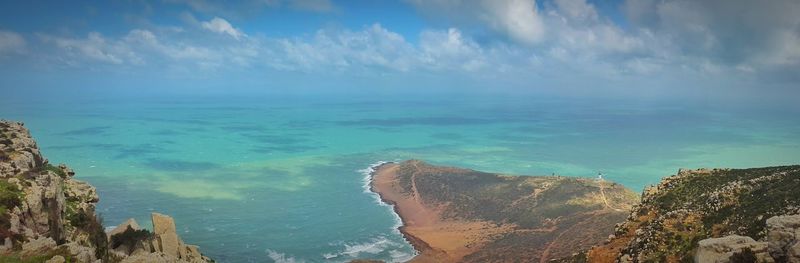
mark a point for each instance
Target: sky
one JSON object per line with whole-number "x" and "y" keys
{"x": 736, "y": 49}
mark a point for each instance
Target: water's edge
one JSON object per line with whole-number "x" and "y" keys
{"x": 369, "y": 174}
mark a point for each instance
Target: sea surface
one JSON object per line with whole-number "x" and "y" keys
{"x": 283, "y": 178}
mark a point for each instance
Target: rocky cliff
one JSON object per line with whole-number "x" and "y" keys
{"x": 47, "y": 215}
{"x": 719, "y": 215}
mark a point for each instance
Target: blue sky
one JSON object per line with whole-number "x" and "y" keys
{"x": 633, "y": 48}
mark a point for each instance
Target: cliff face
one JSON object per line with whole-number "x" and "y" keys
{"x": 712, "y": 216}
{"x": 460, "y": 215}
{"x": 46, "y": 214}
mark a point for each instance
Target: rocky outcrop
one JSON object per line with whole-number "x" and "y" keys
{"x": 711, "y": 215}
{"x": 166, "y": 240}
{"x": 46, "y": 213}
{"x": 783, "y": 235}
{"x": 781, "y": 245}
{"x": 134, "y": 244}
{"x": 721, "y": 250}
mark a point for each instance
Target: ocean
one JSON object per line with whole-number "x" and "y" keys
{"x": 284, "y": 179}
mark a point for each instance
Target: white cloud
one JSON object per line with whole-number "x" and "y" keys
{"x": 221, "y": 26}
{"x": 572, "y": 27}
{"x": 11, "y": 42}
{"x": 578, "y": 10}
{"x": 94, "y": 47}
{"x": 564, "y": 39}
{"x": 146, "y": 40}
{"x": 450, "y": 49}
{"x": 518, "y": 20}
{"x": 373, "y": 47}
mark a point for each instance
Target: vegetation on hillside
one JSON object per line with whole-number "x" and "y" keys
{"x": 695, "y": 205}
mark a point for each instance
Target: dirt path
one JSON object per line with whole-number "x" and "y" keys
{"x": 603, "y": 193}
{"x": 414, "y": 192}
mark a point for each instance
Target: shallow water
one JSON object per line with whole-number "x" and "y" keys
{"x": 283, "y": 179}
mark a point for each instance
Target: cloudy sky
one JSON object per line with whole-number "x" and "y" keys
{"x": 648, "y": 48}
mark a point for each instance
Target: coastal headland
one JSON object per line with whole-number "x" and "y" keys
{"x": 461, "y": 215}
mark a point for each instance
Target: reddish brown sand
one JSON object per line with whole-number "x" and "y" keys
{"x": 437, "y": 240}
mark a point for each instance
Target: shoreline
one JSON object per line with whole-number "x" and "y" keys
{"x": 369, "y": 173}
{"x": 416, "y": 244}
{"x": 422, "y": 249}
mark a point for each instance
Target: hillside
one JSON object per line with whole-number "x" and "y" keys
{"x": 48, "y": 215}
{"x": 704, "y": 214}
{"x": 460, "y": 215}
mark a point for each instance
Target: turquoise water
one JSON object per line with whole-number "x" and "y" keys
{"x": 282, "y": 179}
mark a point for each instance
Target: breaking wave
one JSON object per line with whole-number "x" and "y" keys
{"x": 373, "y": 247}
{"x": 366, "y": 184}
{"x": 279, "y": 257}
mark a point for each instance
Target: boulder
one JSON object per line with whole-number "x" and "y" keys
{"x": 783, "y": 233}
{"x": 82, "y": 191}
{"x": 38, "y": 246}
{"x": 720, "y": 250}
{"x": 165, "y": 235}
{"x": 124, "y": 226}
{"x": 80, "y": 252}
{"x": 169, "y": 244}
{"x": 162, "y": 224}
{"x": 56, "y": 259}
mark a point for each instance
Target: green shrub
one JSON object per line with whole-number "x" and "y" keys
{"x": 54, "y": 169}
{"x": 16, "y": 258}
{"x": 746, "y": 256}
{"x": 130, "y": 238}
{"x": 10, "y": 197}
{"x": 97, "y": 235}
{"x": 88, "y": 222}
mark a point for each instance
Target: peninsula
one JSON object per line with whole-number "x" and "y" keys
{"x": 460, "y": 215}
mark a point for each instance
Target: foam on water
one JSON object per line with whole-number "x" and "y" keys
{"x": 279, "y": 257}
{"x": 371, "y": 248}
{"x": 367, "y": 185}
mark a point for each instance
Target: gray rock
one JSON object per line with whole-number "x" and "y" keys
{"x": 124, "y": 226}
{"x": 56, "y": 259}
{"x": 38, "y": 246}
{"x": 783, "y": 233}
{"x": 81, "y": 253}
{"x": 720, "y": 250}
